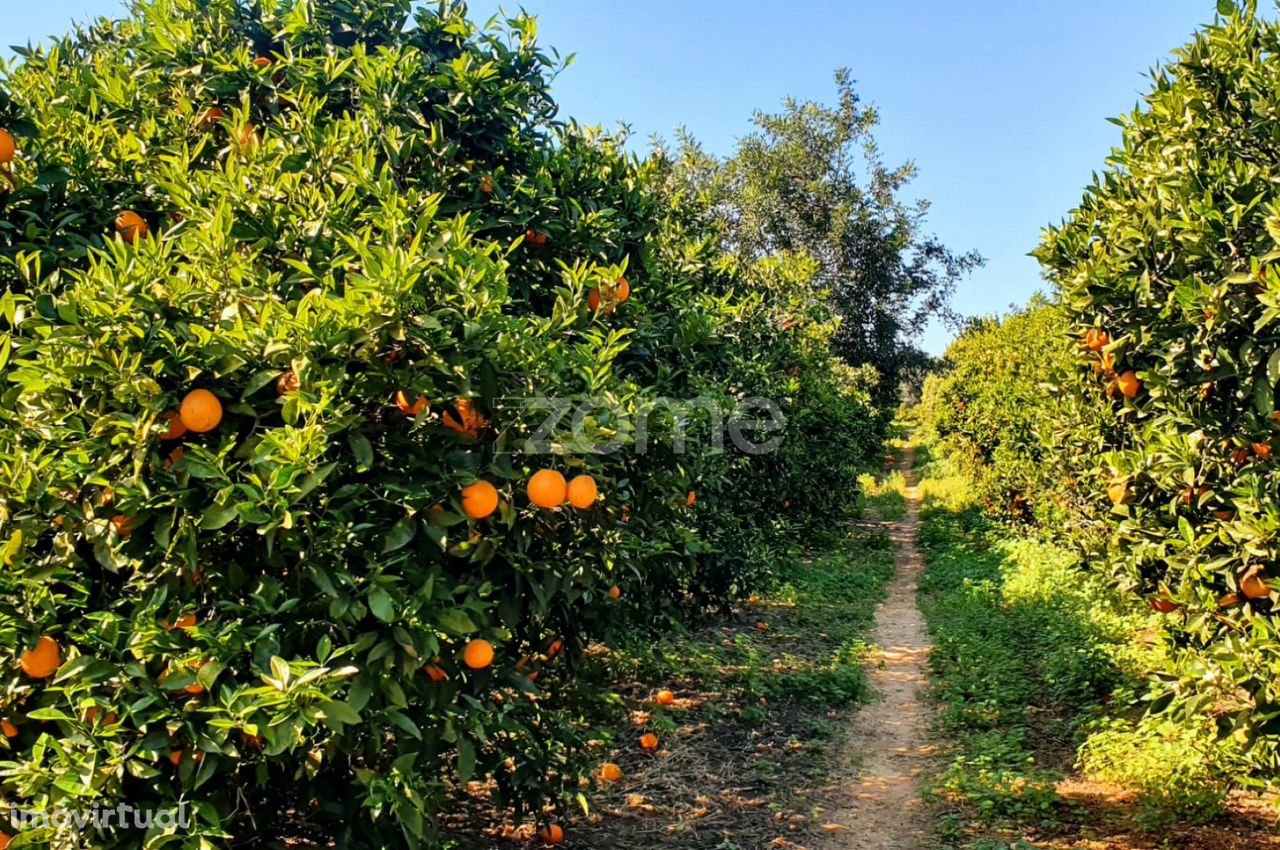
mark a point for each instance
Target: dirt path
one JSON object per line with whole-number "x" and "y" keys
{"x": 887, "y": 748}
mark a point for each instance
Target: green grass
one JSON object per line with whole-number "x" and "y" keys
{"x": 1037, "y": 665}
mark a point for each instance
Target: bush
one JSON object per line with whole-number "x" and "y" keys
{"x": 1168, "y": 273}
{"x": 358, "y": 227}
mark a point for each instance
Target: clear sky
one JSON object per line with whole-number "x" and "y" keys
{"x": 1002, "y": 104}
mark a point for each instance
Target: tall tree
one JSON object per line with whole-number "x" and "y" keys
{"x": 810, "y": 180}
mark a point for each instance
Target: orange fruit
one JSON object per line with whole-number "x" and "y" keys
{"x": 621, "y": 290}
{"x": 9, "y": 730}
{"x": 436, "y": 673}
{"x": 176, "y": 429}
{"x": 554, "y": 649}
{"x": 486, "y": 184}
{"x": 176, "y": 757}
{"x": 402, "y": 402}
{"x": 547, "y": 489}
{"x": 1129, "y": 384}
{"x": 43, "y": 660}
{"x": 1118, "y": 491}
{"x": 666, "y": 697}
{"x": 478, "y": 654}
{"x": 130, "y": 226}
{"x": 1096, "y": 339}
{"x": 649, "y": 741}
{"x": 4, "y": 840}
{"x": 247, "y": 136}
{"x": 287, "y": 382}
{"x": 209, "y": 117}
{"x": 479, "y": 500}
{"x": 610, "y": 772}
{"x": 467, "y": 421}
{"x": 262, "y": 62}
{"x": 91, "y": 714}
{"x": 582, "y": 492}
{"x": 174, "y": 456}
{"x": 1262, "y": 450}
{"x": 615, "y": 592}
{"x": 185, "y": 621}
{"x": 552, "y": 834}
{"x": 201, "y": 411}
{"x": 123, "y": 525}
{"x": 691, "y": 499}
{"x": 762, "y": 626}
{"x": 1254, "y": 586}
{"x": 8, "y": 147}
{"x": 1162, "y": 605}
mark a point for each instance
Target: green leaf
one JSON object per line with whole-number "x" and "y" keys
{"x": 380, "y": 605}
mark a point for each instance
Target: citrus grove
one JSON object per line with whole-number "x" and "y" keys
{"x": 285, "y": 285}
{"x": 1133, "y": 414}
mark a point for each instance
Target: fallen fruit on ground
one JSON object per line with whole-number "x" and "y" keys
{"x": 666, "y": 697}
{"x": 648, "y": 741}
{"x": 610, "y": 772}
{"x": 553, "y": 834}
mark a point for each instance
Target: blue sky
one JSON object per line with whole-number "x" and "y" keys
{"x": 1002, "y": 105}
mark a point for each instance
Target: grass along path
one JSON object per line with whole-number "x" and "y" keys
{"x": 888, "y": 743}
{"x": 1037, "y": 667}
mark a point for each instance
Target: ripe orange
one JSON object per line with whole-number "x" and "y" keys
{"x": 552, "y": 834}
{"x": 9, "y": 730}
{"x": 287, "y": 382}
{"x": 247, "y": 136}
{"x": 1118, "y": 491}
{"x": 8, "y": 147}
{"x": 593, "y": 299}
{"x": 402, "y": 402}
{"x": 648, "y": 741}
{"x": 547, "y": 489}
{"x": 762, "y": 626}
{"x": 91, "y": 714}
{"x": 123, "y": 525}
{"x": 615, "y": 592}
{"x": 130, "y": 226}
{"x": 174, "y": 456}
{"x": 4, "y": 840}
{"x": 209, "y": 117}
{"x": 176, "y": 429}
{"x": 262, "y": 62}
{"x": 468, "y": 420}
{"x": 486, "y": 184}
{"x": 1162, "y": 605}
{"x": 176, "y": 757}
{"x": 1262, "y": 450}
{"x": 1096, "y": 339}
{"x": 582, "y": 492}
{"x": 479, "y": 500}
{"x": 666, "y": 697}
{"x": 1253, "y": 585}
{"x": 185, "y": 621}
{"x": 691, "y": 499}
{"x": 554, "y": 649}
{"x": 478, "y": 654}
{"x": 610, "y": 772}
{"x": 436, "y": 673}
{"x": 43, "y": 660}
{"x": 621, "y": 291}
{"x": 201, "y": 411}
{"x": 1129, "y": 384}
{"x": 535, "y": 239}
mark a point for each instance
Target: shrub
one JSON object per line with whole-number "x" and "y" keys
{"x": 357, "y": 226}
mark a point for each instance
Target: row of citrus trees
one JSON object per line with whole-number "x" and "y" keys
{"x": 1137, "y": 413}
{"x": 347, "y": 395}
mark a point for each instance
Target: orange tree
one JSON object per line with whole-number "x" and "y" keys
{"x": 1004, "y": 403}
{"x": 286, "y": 288}
{"x": 1168, "y": 272}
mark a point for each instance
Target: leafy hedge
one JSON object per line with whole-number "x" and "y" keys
{"x": 361, "y": 229}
